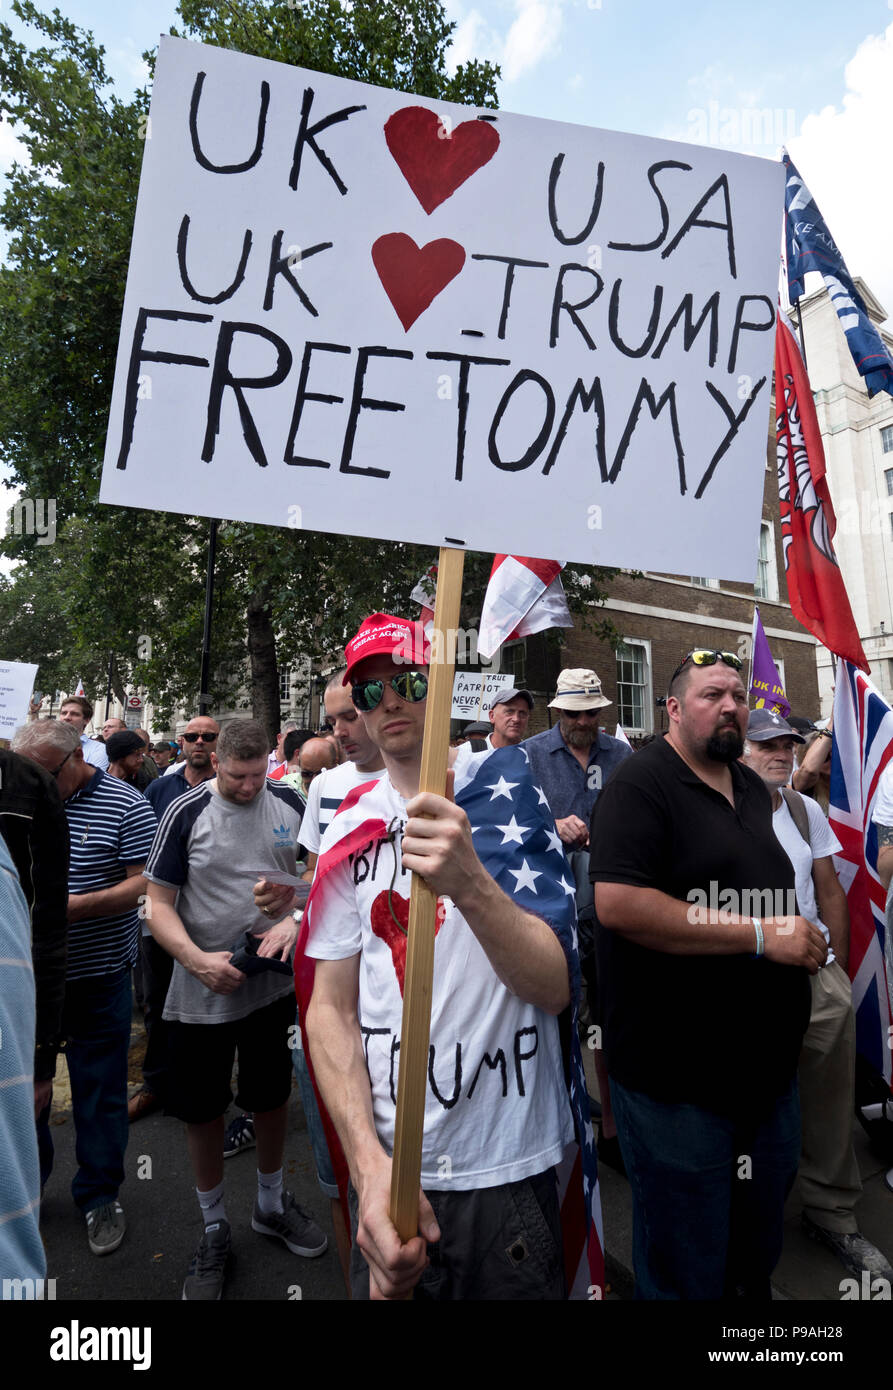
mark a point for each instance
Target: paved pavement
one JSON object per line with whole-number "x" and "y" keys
{"x": 806, "y": 1271}
{"x": 163, "y": 1223}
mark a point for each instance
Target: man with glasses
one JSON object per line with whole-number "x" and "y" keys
{"x": 497, "y": 1114}
{"x": 572, "y": 760}
{"x": 317, "y": 755}
{"x": 111, "y": 828}
{"x": 199, "y": 739}
{"x": 704, "y": 967}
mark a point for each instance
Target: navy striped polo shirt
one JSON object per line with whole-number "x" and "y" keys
{"x": 111, "y": 826}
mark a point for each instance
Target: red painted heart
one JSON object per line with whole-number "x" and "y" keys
{"x": 413, "y": 276}
{"x": 384, "y": 927}
{"x": 433, "y": 159}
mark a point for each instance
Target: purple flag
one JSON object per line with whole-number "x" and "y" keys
{"x": 765, "y": 687}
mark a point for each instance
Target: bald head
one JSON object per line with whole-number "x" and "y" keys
{"x": 198, "y": 741}
{"x": 316, "y": 755}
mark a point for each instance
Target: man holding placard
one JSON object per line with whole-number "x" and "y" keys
{"x": 497, "y": 1116}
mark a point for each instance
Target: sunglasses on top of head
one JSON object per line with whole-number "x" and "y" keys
{"x": 703, "y": 657}
{"x": 411, "y": 686}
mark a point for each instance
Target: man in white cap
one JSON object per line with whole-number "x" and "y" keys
{"x": 572, "y": 760}
{"x": 509, "y": 716}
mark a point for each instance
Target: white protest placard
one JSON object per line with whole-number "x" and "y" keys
{"x": 467, "y": 698}
{"x": 16, "y": 684}
{"x": 358, "y": 311}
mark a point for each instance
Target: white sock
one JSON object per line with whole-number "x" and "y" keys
{"x": 269, "y": 1192}
{"x": 211, "y": 1204}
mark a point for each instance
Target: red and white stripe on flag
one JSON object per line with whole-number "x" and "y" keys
{"x": 863, "y": 748}
{"x": 524, "y": 596}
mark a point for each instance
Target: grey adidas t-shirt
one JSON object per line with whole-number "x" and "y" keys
{"x": 210, "y": 850}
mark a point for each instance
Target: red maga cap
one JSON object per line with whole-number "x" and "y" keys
{"x": 384, "y": 635}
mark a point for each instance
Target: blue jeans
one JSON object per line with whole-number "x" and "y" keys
{"x": 96, "y": 1022}
{"x": 325, "y": 1172}
{"x": 708, "y": 1194}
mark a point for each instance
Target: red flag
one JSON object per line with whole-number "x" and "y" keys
{"x": 819, "y": 600}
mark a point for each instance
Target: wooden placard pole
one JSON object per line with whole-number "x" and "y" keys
{"x": 419, "y": 978}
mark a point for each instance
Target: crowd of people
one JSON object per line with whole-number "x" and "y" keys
{"x": 691, "y": 880}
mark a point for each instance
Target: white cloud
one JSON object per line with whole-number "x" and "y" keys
{"x": 8, "y": 497}
{"x": 11, "y": 148}
{"x": 466, "y": 40}
{"x": 533, "y": 36}
{"x": 474, "y": 38}
{"x": 126, "y": 66}
{"x": 841, "y": 153}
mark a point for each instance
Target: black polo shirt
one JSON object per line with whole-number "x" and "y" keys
{"x": 716, "y": 1031}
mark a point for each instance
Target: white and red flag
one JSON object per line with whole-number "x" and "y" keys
{"x": 818, "y": 596}
{"x": 523, "y": 596}
{"x": 80, "y": 689}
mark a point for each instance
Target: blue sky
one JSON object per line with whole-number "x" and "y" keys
{"x": 747, "y": 76}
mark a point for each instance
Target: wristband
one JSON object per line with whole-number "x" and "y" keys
{"x": 758, "y": 928}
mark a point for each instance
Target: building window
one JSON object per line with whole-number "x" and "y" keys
{"x": 779, "y": 666}
{"x": 704, "y": 583}
{"x": 634, "y": 702}
{"x": 285, "y": 686}
{"x": 887, "y": 439}
{"x": 766, "y": 585}
{"x": 888, "y": 474}
{"x": 514, "y": 662}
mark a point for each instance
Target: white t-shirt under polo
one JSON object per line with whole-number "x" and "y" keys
{"x": 824, "y": 842}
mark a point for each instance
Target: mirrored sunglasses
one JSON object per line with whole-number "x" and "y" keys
{"x": 411, "y": 686}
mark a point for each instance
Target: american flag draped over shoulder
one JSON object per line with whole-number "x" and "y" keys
{"x": 515, "y": 839}
{"x": 862, "y": 748}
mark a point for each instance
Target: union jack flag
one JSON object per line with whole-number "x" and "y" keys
{"x": 862, "y": 748}
{"x": 516, "y": 841}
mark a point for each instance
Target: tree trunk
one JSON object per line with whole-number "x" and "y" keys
{"x": 264, "y": 671}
